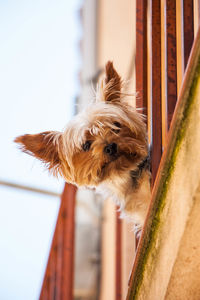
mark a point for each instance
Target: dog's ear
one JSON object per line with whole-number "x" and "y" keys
{"x": 45, "y": 146}
{"x": 113, "y": 83}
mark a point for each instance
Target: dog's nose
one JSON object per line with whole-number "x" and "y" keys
{"x": 111, "y": 149}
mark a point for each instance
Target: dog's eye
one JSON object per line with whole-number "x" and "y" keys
{"x": 86, "y": 146}
{"x": 118, "y": 125}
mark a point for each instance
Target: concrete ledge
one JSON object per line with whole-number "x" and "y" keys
{"x": 170, "y": 231}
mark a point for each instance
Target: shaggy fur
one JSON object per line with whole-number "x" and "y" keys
{"x": 104, "y": 147}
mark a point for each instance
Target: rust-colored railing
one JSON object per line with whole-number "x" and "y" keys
{"x": 59, "y": 275}
{"x": 149, "y": 83}
{"x": 118, "y": 258}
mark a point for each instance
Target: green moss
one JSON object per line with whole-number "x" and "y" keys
{"x": 152, "y": 229}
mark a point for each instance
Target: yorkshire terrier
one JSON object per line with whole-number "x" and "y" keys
{"x": 103, "y": 147}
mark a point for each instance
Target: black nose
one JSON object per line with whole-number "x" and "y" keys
{"x": 111, "y": 149}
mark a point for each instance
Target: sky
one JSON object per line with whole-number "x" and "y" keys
{"x": 39, "y": 65}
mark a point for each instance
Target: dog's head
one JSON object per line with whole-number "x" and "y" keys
{"x": 103, "y": 141}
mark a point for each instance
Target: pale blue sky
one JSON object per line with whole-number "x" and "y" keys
{"x": 39, "y": 64}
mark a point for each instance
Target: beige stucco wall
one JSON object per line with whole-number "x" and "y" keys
{"x": 184, "y": 283}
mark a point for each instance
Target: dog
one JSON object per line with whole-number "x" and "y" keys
{"x": 103, "y": 147}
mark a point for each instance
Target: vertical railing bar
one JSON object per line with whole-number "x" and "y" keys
{"x": 188, "y": 28}
{"x": 141, "y": 55}
{"x": 59, "y": 243}
{"x": 118, "y": 258}
{"x": 68, "y": 213}
{"x": 52, "y": 269}
{"x": 156, "y": 86}
{"x": 171, "y": 59}
{"x": 141, "y": 64}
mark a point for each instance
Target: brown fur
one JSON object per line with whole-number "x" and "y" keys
{"x": 108, "y": 121}
{"x": 44, "y": 146}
